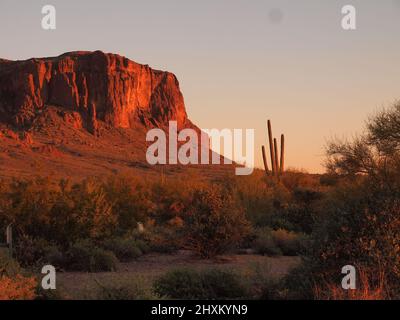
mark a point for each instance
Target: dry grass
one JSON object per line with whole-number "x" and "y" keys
{"x": 80, "y": 285}
{"x": 365, "y": 290}
{"x": 17, "y": 288}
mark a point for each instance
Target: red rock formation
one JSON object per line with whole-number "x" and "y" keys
{"x": 98, "y": 86}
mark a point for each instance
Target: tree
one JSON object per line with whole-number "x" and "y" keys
{"x": 373, "y": 153}
{"x": 359, "y": 223}
{"x": 214, "y": 223}
{"x": 384, "y": 130}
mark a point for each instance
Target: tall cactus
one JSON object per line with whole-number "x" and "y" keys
{"x": 265, "y": 160}
{"x": 282, "y": 165}
{"x": 277, "y": 171}
{"x": 271, "y": 147}
{"x": 277, "y": 165}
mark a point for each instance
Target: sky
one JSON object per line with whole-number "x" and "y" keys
{"x": 239, "y": 62}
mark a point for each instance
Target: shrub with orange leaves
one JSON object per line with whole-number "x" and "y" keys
{"x": 176, "y": 222}
{"x": 17, "y": 288}
{"x": 214, "y": 223}
{"x": 370, "y": 287}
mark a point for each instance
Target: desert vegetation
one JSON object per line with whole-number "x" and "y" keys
{"x": 350, "y": 215}
{"x": 97, "y": 220}
{"x": 92, "y": 225}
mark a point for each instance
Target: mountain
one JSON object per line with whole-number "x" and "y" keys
{"x": 97, "y": 86}
{"x": 83, "y": 114}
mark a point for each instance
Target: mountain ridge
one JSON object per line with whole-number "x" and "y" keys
{"x": 97, "y": 85}
{"x": 85, "y": 114}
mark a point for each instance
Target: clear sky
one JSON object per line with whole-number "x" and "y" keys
{"x": 239, "y": 62}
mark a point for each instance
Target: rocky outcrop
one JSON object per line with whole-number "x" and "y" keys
{"x": 97, "y": 86}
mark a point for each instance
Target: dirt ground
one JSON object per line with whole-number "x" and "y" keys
{"x": 81, "y": 285}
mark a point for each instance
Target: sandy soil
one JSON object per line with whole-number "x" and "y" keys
{"x": 80, "y": 285}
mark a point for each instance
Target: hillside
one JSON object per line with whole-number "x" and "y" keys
{"x": 85, "y": 114}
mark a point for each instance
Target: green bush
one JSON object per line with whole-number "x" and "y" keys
{"x": 190, "y": 284}
{"x": 125, "y": 249}
{"x": 271, "y": 290}
{"x": 8, "y": 266}
{"x": 360, "y": 227}
{"x": 180, "y": 284}
{"x": 143, "y": 246}
{"x": 221, "y": 284}
{"x": 59, "y": 294}
{"x": 264, "y": 242}
{"x": 214, "y": 223}
{"x": 298, "y": 284}
{"x": 128, "y": 290}
{"x": 279, "y": 242}
{"x": 84, "y": 256}
{"x": 359, "y": 221}
{"x": 37, "y": 252}
{"x": 131, "y": 199}
{"x": 55, "y": 257}
{"x": 162, "y": 240}
{"x": 290, "y": 243}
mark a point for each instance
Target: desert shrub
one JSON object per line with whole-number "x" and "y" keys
{"x": 160, "y": 239}
{"x": 303, "y": 209}
{"x": 59, "y": 294}
{"x": 278, "y": 242}
{"x": 171, "y": 196}
{"x": 125, "y": 249}
{"x": 295, "y": 217}
{"x": 298, "y": 213}
{"x": 290, "y": 243}
{"x": 289, "y": 204}
{"x": 280, "y": 220}
{"x": 143, "y": 246}
{"x": 55, "y": 257}
{"x": 180, "y": 284}
{"x": 369, "y": 287}
{"x": 359, "y": 221}
{"x": 298, "y": 284}
{"x": 17, "y": 288}
{"x": 271, "y": 289}
{"x": 190, "y": 284}
{"x": 132, "y": 202}
{"x": 214, "y": 223}
{"x": 221, "y": 284}
{"x": 93, "y": 211}
{"x": 8, "y": 266}
{"x": 361, "y": 227}
{"x": 84, "y": 256}
{"x": 264, "y": 242}
{"x": 13, "y": 284}
{"x": 128, "y": 290}
{"x": 260, "y": 196}
{"x": 34, "y": 252}
{"x": 60, "y": 212}
{"x": 299, "y": 179}
{"x": 328, "y": 179}
{"x": 29, "y": 205}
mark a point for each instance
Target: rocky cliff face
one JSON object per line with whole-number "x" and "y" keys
{"x": 95, "y": 85}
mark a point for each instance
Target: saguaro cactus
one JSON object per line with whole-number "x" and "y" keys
{"x": 277, "y": 171}
{"x": 282, "y": 165}
{"x": 265, "y": 160}
{"x": 277, "y": 165}
{"x": 271, "y": 147}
